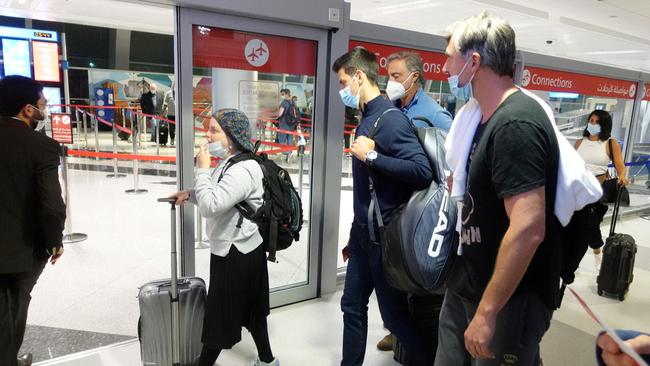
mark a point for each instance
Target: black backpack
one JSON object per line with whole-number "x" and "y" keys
{"x": 279, "y": 219}
{"x": 419, "y": 244}
{"x": 293, "y": 114}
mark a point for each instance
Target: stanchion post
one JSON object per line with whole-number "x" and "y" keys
{"x": 85, "y": 132}
{"x": 96, "y": 133}
{"x": 115, "y": 172}
{"x": 156, "y": 130}
{"x": 301, "y": 154}
{"x": 76, "y": 116}
{"x": 136, "y": 167}
{"x": 68, "y": 236}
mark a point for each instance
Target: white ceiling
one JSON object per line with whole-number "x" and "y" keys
{"x": 100, "y": 13}
{"x": 610, "y": 32}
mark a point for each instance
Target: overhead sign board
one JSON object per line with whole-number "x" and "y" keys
{"x": 536, "y": 78}
{"x": 224, "y": 48}
{"x": 23, "y": 33}
{"x": 432, "y": 62}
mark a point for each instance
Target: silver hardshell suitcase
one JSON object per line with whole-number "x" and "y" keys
{"x": 171, "y": 315}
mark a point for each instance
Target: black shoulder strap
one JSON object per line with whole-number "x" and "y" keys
{"x": 375, "y": 126}
{"x": 611, "y": 151}
{"x": 234, "y": 160}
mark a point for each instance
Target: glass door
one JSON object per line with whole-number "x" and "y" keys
{"x": 263, "y": 69}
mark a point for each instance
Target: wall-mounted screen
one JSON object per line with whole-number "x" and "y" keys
{"x": 46, "y": 61}
{"x": 15, "y": 54}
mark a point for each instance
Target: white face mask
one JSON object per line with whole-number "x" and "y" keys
{"x": 395, "y": 90}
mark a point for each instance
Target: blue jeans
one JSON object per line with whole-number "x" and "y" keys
{"x": 285, "y": 138}
{"x": 153, "y": 128}
{"x": 365, "y": 273}
{"x": 625, "y": 335}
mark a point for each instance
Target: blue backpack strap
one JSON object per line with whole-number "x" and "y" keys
{"x": 373, "y": 208}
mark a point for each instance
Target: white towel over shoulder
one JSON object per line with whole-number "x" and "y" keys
{"x": 576, "y": 187}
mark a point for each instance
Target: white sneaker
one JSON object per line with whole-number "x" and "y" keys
{"x": 258, "y": 362}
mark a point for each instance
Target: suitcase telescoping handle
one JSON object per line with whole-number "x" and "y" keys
{"x": 617, "y": 206}
{"x": 175, "y": 326}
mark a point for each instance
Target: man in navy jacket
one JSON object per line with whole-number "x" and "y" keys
{"x": 399, "y": 166}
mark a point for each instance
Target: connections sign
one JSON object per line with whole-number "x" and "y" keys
{"x": 536, "y": 78}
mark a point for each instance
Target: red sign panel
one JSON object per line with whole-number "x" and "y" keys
{"x": 222, "y": 48}
{"x": 647, "y": 92}
{"x": 61, "y": 128}
{"x": 46, "y": 61}
{"x": 559, "y": 81}
{"x": 432, "y": 61}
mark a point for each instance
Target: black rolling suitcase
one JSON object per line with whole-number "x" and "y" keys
{"x": 426, "y": 311}
{"x": 616, "y": 270}
{"x": 171, "y": 315}
{"x": 163, "y": 132}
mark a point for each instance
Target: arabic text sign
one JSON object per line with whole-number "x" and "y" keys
{"x": 62, "y": 128}
{"x": 432, "y": 62}
{"x": 46, "y": 61}
{"x": 255, "y": 97}
{"x": 647, "y": 92}
{"x": 551, "y": 80}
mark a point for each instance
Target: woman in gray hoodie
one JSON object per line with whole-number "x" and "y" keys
{"x": 239, "y": 283}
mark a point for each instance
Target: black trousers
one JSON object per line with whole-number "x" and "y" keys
{"x": 15, "y": 295}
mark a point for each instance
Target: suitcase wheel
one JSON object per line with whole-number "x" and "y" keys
{"x": 621, "y": 297}
{"x": 600, "y": 292}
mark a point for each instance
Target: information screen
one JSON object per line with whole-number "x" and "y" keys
{"x": 16, "y": 57}
{"x": 46, "y": 61}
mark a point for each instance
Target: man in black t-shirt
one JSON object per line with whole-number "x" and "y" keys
{"x": 503, "y": 288}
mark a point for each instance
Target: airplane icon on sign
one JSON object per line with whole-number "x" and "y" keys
{"x": 257, "y": 52}
{"x": 261, "y": 50}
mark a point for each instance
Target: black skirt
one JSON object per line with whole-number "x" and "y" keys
{"x": 238, "y": 296}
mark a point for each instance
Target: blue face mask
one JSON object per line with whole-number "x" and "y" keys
{"x": 593, "y": 129}
{"x": 217, "y": 150}
{"x": 347, "y": 98}
{"x": 463, "y": 92}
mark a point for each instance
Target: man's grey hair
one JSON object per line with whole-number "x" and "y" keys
{"x": 413, "y": 62}
{"x": 491, "y": 37}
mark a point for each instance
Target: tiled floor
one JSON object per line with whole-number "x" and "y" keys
{"x": 94, "y": 286}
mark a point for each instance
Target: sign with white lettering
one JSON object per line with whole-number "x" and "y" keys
{"x": 432, "y": 62}
{"x": 536, "y": 78}
{"x": 62, "y": 128}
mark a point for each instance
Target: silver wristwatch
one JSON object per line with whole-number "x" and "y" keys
{"x": 371, "y": 156}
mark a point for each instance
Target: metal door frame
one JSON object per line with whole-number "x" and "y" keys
{"x": 185, "y": 19}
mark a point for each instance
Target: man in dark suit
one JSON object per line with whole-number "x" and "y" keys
{"x": 152, "y": 103}
{"x": 32, "y": 212}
